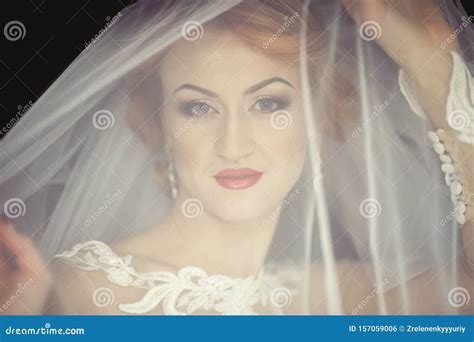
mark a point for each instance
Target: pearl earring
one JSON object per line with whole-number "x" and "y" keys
{"x": 172, "y": 179}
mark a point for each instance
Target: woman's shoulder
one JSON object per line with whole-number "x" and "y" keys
{"x": 95, "y": 278}
{"x": 129, "y": 254}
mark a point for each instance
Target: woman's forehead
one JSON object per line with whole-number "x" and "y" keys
{"x": 222, "y": 56}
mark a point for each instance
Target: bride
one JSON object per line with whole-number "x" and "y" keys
{"x": 275, "y": 157}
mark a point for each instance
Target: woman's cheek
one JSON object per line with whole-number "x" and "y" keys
{"x": 288, "y": 141}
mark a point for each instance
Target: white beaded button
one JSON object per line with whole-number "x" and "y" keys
{"x": 433, "y": 137}
{"x": 456, "y": 188}
{"x": 445, "y": 159}
{"x": 460, "y": 218}
{"x": 447, "y": 168}
{"x": 461, "y": 207}
{"x": 450, "y": 177}
{"x": 438, "y": 147}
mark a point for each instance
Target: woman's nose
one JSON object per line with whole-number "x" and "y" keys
{"x": 236, "y": 139}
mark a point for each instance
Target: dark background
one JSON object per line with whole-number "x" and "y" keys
{"x": 56, "y": 32}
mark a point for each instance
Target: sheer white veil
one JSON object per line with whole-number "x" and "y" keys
{"x": 75, "y": 167}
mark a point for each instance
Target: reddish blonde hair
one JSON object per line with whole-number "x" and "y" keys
{"x": 257, "y": 22}
{"x": 275, "y": 28}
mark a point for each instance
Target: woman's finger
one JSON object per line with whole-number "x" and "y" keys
{"x": 7, "y": 259}
{"x": 19, "y": 251}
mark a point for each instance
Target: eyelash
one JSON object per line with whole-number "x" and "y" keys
{"x": 280, "y": 104}
{"x": 187, "y": 107}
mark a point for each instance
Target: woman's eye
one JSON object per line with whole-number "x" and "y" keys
{"x": 198, "y": 109}
{"x": 266, "y": 105}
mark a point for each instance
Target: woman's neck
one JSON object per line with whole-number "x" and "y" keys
{"x": 236, "y": 249}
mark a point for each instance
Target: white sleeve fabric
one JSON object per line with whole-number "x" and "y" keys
{"x": 460, "y": 101}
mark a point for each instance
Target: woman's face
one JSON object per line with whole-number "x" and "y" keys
{"x": 234, "y": 120}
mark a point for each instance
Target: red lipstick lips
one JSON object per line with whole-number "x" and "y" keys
{"x": 238, "y": 178}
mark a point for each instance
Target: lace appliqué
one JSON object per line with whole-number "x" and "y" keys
{"x": 182, "y": 293}
{"x": 460, "y": 101}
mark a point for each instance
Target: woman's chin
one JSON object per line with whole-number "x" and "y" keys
{"x": 249, "y": 210}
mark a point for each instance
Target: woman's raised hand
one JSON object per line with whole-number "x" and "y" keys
{"x": 25, "y": 280}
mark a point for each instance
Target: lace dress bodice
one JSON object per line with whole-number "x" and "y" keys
{"x": 180, "y": 293}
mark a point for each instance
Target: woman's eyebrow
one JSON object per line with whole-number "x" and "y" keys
{"x": 196, "y": 88}
{"x": 262, "y": 84}
{"x": 250, "y": 90}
